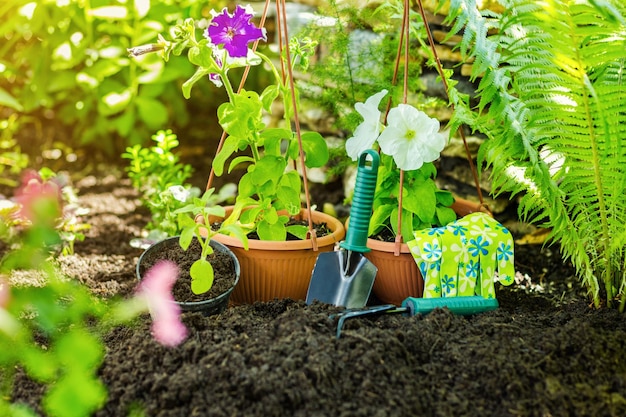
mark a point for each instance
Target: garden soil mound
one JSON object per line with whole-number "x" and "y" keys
{"x": 544, "y": 352}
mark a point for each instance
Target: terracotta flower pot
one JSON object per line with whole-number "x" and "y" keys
{"x": 398, "y": 275}
{"x": 271, "y": 269}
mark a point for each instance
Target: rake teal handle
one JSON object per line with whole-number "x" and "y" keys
{"x": 361, "y": 210}
{"x": 464, "y": 306}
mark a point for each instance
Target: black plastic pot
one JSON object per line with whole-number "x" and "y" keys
{"x": 208, "y": 307}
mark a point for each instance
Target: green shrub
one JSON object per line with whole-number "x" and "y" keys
{"x": 67, "y": 60}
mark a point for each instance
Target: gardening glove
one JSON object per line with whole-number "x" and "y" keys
{"x": 464, "y": 257}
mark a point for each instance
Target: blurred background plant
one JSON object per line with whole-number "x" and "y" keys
{"x": 12, "y": 159}
{"x": 44, "y": 329}
{"x": 51, "y": 327}
{"x": 153, "y": 171}
{"x": 354, "y": 61}
{"x": 161, "y": 180}
{"x": 64, "y": 64}
{"x": 68, "y": 225}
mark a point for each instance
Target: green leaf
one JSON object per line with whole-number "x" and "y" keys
{"x": 152, "y": 112}
{"x": 40, "y": 365}
{"x": 298, "y": 231}
{"x": 186, "y": 236}
{"x": 243, "y": 116}
{"x": 268, "y": 168}
{"x": 187, "y": 85}
{"x": 421, "y": 200}
{"x": 314, "y": 147}
{"x": 239, "y": 160}
{"x": 289, "y": 199}
{"x": 236, "y": 231}
{"x": 275, "y": 232}
{"x": 201, "y": 272}
{"x": 380, "y": 218}
{"x": 407, "y": 226}
{"x": 271, "y": 139}
{"x": 445, "y": 198}
{"x": 78, "y": 349}
{"x": 76, "y": 394}
{"x": 229, "y": 147}
{"x": 246, "y": 186}
{"x": 445, "y": 215}
{"x": 268, "y": 96}
{"x": 202, "y": 56}
{"x": 8, "y": 100}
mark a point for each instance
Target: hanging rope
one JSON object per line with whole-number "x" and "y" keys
{"x": 294, "y": 103}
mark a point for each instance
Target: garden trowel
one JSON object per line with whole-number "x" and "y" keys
{"x": 345, "y": 277}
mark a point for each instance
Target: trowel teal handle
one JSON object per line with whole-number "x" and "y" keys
{"x": 464, "y": 306}
{"x": 361, "y": 210}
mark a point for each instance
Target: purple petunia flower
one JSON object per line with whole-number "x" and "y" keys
{"x": 234, "y": 31}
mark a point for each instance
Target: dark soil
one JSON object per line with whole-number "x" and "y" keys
{"x": 544, "y": 352}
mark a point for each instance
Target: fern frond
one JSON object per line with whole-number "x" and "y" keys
{"x": 552, "y": 102}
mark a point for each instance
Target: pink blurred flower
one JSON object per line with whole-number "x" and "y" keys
{"x": 34, "y": 190}
{"x": 156, "y": 288}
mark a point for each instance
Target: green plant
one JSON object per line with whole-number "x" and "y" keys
{"x": 160, "y": 178}
{"x": 68, "y": 225}
{"x": 12, "y": 160}
{"x": 67, "y": 59}
{"x": 201, "y": 270}
{"x": 552, "y": 106}
{"x": 267, "y": 190}
{"x": 53, "y": 330}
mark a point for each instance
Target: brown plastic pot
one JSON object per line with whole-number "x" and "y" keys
{"x": 398, "y": 275}
{"x": 272, "y": 269}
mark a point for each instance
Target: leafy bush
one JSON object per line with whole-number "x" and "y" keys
{"x": 12, "y": 160}
{"x": 153, "y": 172}
{"x": 68, "y": 60}
{"x": 552, "y": 106}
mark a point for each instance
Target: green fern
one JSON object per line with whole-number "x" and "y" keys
{"x": 553, "y": 106}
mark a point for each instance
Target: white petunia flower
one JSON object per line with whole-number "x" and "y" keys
{"x": 179, "y": 192}
{"x": 367, "y": 132}
{"x": 411, "y": 137}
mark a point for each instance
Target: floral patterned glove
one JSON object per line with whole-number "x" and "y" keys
{"x": 465, "y": 257}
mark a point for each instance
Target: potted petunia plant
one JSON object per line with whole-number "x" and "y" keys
{"x": 409, "y": 141}
{"x": 406, "y": 198}
{"x": 285, "y": 242}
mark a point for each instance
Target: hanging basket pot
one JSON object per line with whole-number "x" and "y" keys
{"x": 398, "y": 275}
{"x": 279, "y": 269}
{"x": 225, "y": 264}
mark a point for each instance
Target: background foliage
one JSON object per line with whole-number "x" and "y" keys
{"x": 65, "y": 64}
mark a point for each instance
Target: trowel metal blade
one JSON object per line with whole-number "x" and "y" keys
{"x": 342, "y": 278}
